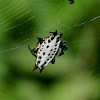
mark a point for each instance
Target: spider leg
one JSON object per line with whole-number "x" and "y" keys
{"x": 63, "y": 45}
{"x": 33, "y": 51}
{"x": 61, "y": 53}
{"x": 62, "y": 48}
{"x": 53, "y": 61}
{"x": 65, "y": 48}
{"x": 29, "y": 47}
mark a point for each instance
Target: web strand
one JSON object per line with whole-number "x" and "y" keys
{"x": 23, "y": 8}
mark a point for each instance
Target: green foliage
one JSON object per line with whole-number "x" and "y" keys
{"x": 75, "y": 75}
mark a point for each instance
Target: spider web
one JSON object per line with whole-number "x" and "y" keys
{"x": 19, "y": 16}
{"x": 22, "y": 21}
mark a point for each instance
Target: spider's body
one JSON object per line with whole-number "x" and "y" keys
{"x": 47, "y": 49}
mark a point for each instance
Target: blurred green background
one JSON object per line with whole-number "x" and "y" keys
{"x": 75, "y": 75}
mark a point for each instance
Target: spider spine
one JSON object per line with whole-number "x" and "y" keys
{"x": 35, "y": 67}
{"x": 47, "y": 50}
{"x": 40, "y": 40}
{"x": 54, "y": 33}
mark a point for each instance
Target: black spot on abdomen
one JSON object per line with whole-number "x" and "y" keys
{"x": 47, "y": 59}
{"x": 47, "y": 46}
{"x": 43, "y": 53}
{"x": 56, "y": 45}
{"x": 45, "y": 62}
{"x": 51, "y": 49}
{"x": 39, "y": 57}
{"x": 52, "y": 54}
{"x": 54, "y": 51}
{"x": 49, "y": 54}
{"x": 38, "y": 62}
{"x": 49, "y": 41}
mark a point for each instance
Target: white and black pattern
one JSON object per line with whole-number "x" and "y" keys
{"x": 47, "y": 49}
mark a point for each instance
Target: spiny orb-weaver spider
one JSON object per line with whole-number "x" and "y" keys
{"x": 47, "y": 50}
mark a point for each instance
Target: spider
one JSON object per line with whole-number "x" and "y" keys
{"x": 71, "y": 1}
{"x": 47, "y": 50}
